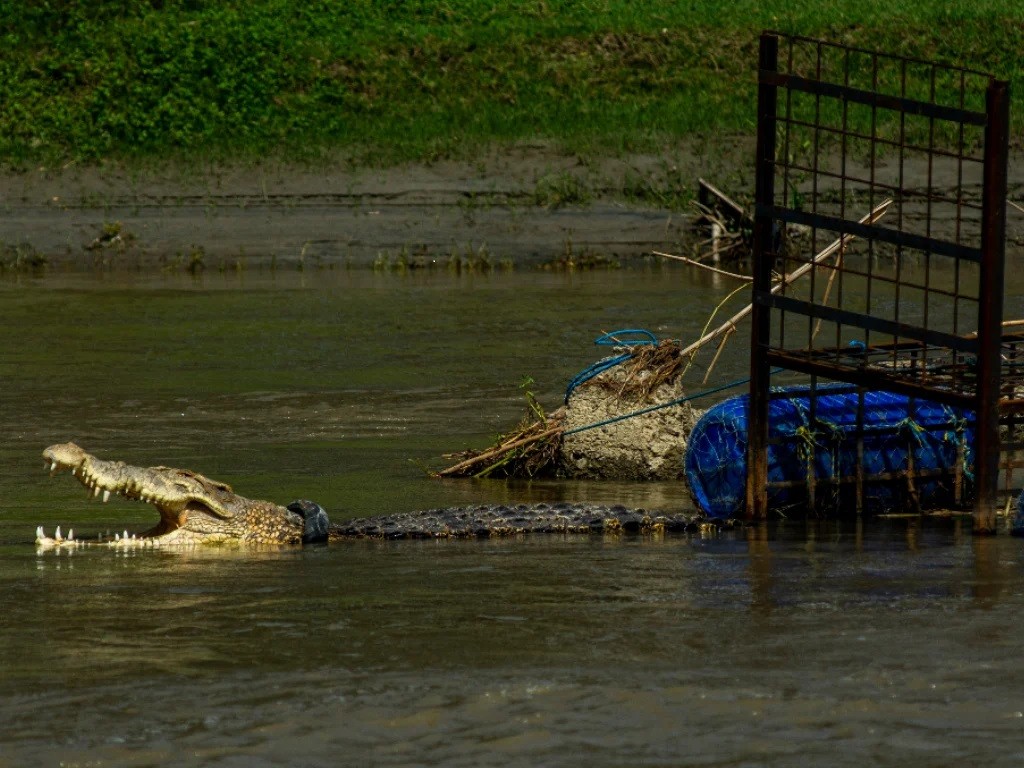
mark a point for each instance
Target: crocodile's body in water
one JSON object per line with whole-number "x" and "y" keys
{"x": 196, "y": 510}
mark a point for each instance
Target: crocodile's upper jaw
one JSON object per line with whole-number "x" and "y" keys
{"x": 193, "y": 509}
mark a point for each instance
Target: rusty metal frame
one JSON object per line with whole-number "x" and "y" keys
{"x": 913, "y": 303}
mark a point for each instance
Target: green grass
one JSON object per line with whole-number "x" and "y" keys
{"x": 378, "y": 82}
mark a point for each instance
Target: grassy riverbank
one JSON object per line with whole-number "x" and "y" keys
{"x": 379, "y": 83}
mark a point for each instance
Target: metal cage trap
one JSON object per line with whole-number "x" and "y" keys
{"x": 881, "y": 184}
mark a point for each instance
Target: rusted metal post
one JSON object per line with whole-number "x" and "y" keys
{"x": 764, "y": 257}
{"x": 990, "y": 306}
{"x": 958, "y": 470}
{"x": 859, "y": 472}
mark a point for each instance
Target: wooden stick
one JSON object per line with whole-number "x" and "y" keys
{"x": 522, "y": 434}
{"x": 695, "y": 263}
{"x": 828, "y": 289}
{"x": 721, "y": 345}
{"x": 825, "y": 253}
{"x": 1006, "y": 324}
{"x": 729, "y": 207}
{"x": 505, "y": 447}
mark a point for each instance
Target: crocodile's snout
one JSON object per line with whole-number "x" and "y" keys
{"x": 193, "y": 509}
{"x": 64, "y": 455}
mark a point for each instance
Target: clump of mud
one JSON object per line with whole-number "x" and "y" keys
{"x": 599, "y": 434}
{"x": 646, "y": 446}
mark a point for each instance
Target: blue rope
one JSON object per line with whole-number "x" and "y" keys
{"x": 613, "y": 339}
{"x": 677, "y": 401}
{"x": 593, "y": 370}
{"x": 608, "y": 340}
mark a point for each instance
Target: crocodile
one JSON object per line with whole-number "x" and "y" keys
{"x": 195, "y": 510}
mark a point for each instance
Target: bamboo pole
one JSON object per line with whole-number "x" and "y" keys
{"x": 840, "y": 242}
{"x": 1006, "y": 324}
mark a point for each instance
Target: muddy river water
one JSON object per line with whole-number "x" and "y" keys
{"x": 893, "y": 642}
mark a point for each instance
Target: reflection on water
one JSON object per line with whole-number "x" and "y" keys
{"x": 851, "y": 642}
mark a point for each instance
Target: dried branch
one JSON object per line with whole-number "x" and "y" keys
{"x": 708, "y": 267}
{"x": 822, "y": 255}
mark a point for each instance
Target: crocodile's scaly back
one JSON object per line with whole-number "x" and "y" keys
{"x": 518, "y": 520}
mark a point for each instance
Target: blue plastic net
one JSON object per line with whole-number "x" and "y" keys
{"x": 899, "y": 433}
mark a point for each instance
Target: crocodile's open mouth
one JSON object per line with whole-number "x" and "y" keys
{"x": 185, "y": 500}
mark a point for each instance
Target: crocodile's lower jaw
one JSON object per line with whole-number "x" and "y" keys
{"x": 176, "y": 539}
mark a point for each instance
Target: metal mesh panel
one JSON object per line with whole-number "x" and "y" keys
{"x": 899, "y": 165}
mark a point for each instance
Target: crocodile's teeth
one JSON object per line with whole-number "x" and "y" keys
{"x": 95, "y": 491}
{"x": 56, "y": 534}
{"x": 106, "y": 496}
{"x": 125, "y": 536}
{"x": 71, "y": 534}
{"x": 40, "y": 533}
{"x": 53, "y": 466}
{"x": 117, "y": 537}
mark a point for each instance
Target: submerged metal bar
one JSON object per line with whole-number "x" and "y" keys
{"x": 896, "y": 476}
{"x": 990, "y": 311}
{"x": 764, "y": 258}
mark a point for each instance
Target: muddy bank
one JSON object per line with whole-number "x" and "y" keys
{"x": 524, "y": 205}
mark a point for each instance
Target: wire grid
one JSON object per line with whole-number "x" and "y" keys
{"x": 900, "y": 299}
